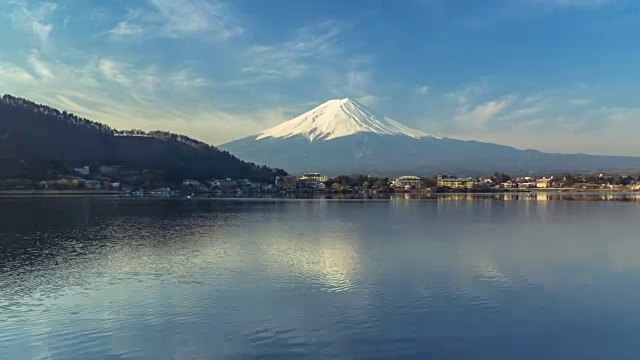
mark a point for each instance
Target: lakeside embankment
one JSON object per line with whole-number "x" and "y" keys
{"x": 60, "y": 193}
{"x": 535, "y": 193}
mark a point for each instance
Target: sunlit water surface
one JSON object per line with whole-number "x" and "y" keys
{"x": 447, "y": 278}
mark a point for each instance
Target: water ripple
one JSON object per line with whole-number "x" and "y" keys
{"x": 113, "y": 279}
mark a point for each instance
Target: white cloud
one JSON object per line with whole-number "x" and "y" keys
{"x": 466, "y": 93}
{"x": 183, "y": 78}
{"x": 293, "y": 58}
{"x": 372, "y": 100}
{"x": 555, "y": 120}
{"x": 480, "y": 115}
{"x": 38, "y": 66}
{"x": 177, "y": 18}
{"x": 526, "y": 111}
{"x": 186, "y": 16}
{"x": 357, "y": 81}
{"x": 113, "y": 71}
{"x": 34, "y": 20}
{"x": 314, "y": 60}
{"x": 422, "y": 90}
{"x": 571, "y": 3}
{"x": 124, "y": 29}
{"x": 10, "y": 73}
{"x": 580, "y": 102}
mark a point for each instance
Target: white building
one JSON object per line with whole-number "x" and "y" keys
{"x": 190, "y": 182}
{"x": 223, "y": 183}
{"x": 82, "y": 170}
{"x": 314, "y": 177}
{"x": 93, "y": 184}
{"x": 509, "y": 185}
{"x": 407, "y": 182}
{"x": 279, "y": 181}
{"x": 543, "y": 183}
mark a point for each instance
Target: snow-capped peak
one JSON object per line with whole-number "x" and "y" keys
{"x": 338, "y": 118}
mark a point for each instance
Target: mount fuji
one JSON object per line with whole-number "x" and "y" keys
{"x": 342, "y": 137}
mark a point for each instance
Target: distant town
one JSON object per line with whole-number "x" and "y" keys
{"x": 116, "y": 179}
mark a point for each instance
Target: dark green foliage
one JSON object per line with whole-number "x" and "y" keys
{"x": 39, "y": 142}
{"x": 358, "y": 180}
{"x": 429, "y": 182}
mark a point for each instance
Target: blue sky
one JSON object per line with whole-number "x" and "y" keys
{"x": 556, "y": 75}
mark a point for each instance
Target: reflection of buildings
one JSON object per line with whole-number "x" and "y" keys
{"x": 541, "y": 196}
{"x": 456, "y": 197}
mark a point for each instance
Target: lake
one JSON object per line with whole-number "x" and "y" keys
{"x": 447, "y": 278}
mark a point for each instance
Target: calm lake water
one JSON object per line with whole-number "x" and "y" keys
{"x": 493, "y": 278}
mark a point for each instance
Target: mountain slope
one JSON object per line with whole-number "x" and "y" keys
{"x": 342, "y": 136}
{"x": 35, "y": 137}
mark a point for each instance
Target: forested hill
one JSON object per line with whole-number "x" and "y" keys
{"x": 36, "y": 139}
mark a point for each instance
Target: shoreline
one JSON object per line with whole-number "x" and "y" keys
{"x": 424, "y": 195}
{"x": 61, "y": 193}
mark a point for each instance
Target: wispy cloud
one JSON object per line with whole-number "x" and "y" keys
{"x": 113, "y": 71}
{"x": 133, "y": 97}
{"x": 580, "y": 102}
{"x": 480, "y": 115}
{"x": 39, "y": 66}
{"x": 10, "y": 73}
{"x": 357, "y": 81}
{"x": 556, "y": 119}
{"x": 34, "y": 20}
{"x": 124, "y": 29}
{"x": 315, "y": 54}
{"x": 571, "y": 3}
{"x": 294, "y": 57}
{"x": 424, "y": 89}
{"x": 373, "y": 100}
{"x": 467, "y": 92}
{"x": 177, "y": 18}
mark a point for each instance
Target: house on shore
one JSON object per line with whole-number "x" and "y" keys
{"x": 456, "y": 183}
{"x": 406, "y": 182}
{"x": 543, "y": 183}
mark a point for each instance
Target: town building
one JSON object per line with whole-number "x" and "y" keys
{"x": 311, "y": 180}
{"x": 456, "y": 183}
{"x": 289, "y": 183}
{"x": 223, "y": 184}
{"x": 84, "y": 171}
{"x": 109, "y": 170}
{"x": 543, "y": 183}
{"x": 279, "y": 182}
{"x": 93, "y": 184}
{"x": 509, "y": 185}
{"x": 132, "y": 175}
{"x": 190, "y": 183}
{"x": 315, "y": 176}
{"x": 406, "y": 182}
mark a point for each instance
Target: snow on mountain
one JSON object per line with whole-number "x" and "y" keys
{"x": 343, "y": 137}
{"x": 338, "y": 118}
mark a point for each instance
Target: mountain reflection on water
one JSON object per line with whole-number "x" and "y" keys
{"x": 498, "y": 277}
